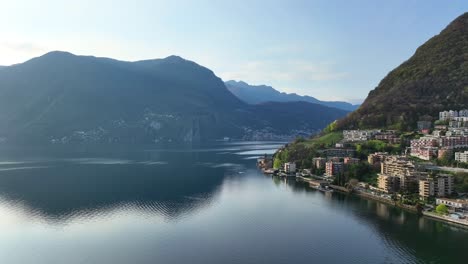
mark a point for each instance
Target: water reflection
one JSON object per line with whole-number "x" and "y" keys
{"x": 169, "y": 183}
{"x": 205, "y": 205}
{"x": 418, "y": 239}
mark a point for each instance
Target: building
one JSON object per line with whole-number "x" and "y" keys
{"x": 339, "y": 152}
{"x": 439, "y": 186}
{"x": 453, "y": 132}
{"x": 387, "y": 183}
{"x": 445, "y": 153}
{"x": 389, "y": 136}
{"x": 350, "y": 161}
{"x": 459, "y": 122}
{"x": 333, "y": 168}
{"x": 422, "y": 125}
{"x": 441, "y": 127}
{"x": 398, "y": 173}
{"x": 426, "y": 188}
{"x": 377, "y": 157}
{"x": 424, "y": 148}
{"x": 454, "y": 141}
{"x": 265, "y": 162}
{"x": 397, "y": 166}
{"x": 437, "y": 133}
{"x": 461, "y": 156}
{"x": 358, "y": 135}
{"x": 290, "y": 167}
{"x": 463, "y": 113}
{"x": 454, "y": 204}
{"x": 447, "y": 115}
{"x": 425, "y": 153}
{"x": 319, "y": 163}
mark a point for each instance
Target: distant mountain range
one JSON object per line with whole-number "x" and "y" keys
{"x": 256, "y": 94}
{"x": 434, "y": 79}
{"x": 63, "y": 98}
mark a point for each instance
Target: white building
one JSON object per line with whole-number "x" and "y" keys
{"x": 463, "y": 113}
{"x": 359, "y": 135}
{"x": 447, "y": 115}
{"x": 455, "y": 204}
{"x": 461, "y": 156}
{"x": 290, "y": 167}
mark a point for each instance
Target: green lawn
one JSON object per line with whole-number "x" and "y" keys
{"x": 326, "y": 140}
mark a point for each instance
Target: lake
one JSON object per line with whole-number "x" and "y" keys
{"x": 196, "y": 205}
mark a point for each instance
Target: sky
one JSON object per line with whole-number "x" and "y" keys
{"x": 332, "y": 50}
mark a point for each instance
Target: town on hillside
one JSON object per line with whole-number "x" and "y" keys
{"x": 425, "y": 170}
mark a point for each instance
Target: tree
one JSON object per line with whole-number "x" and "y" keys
{"x": 442, "y": 209}
{"x": 277, "y": 163}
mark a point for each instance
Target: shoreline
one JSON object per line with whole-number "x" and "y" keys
{"x": 411, "y": 209}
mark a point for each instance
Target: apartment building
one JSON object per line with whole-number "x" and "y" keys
{"x": 376, "y": 157}
{"x": 333, "y": 168}
{"x": 447, "y": 115}
{"x": 439, "y": 186}
{"x": 358, "y": 135}
{"x": 319, "y": 163}
{"x": 339, "y": 152}
{"x": 397, "y": 173}
{"x": 388, "y": 136}
{"x": 350, "y": 161}
{"x": 461, "y": 156}
{"x": 445, "y": 152}
{"x": 387, "y": 183}
{"x": 397, "y": 166}
{"x": 422, "y": 125}
{"x": 425, "y": 153}
{"x": 454, "y": 141}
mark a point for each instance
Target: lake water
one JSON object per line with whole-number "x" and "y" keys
{"x": 196, "y": 205}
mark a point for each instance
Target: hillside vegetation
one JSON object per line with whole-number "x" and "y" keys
{"x": 435, "y": 78}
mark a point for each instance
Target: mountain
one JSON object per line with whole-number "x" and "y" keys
{"x": 63, "y": 98}
{"x": 434, "y": 79}
{"x": 255, "y": 94}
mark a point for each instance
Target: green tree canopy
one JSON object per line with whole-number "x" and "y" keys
{"x": 442, "y": 209}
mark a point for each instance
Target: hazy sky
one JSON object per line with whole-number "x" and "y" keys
{"x": 327, "y": 49}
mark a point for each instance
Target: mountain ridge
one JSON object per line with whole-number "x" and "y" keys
{"x": 254, "y": 94}
{"x": 62, "y": 98}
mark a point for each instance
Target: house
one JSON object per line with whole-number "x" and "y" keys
{"x": 290, "y": 167}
